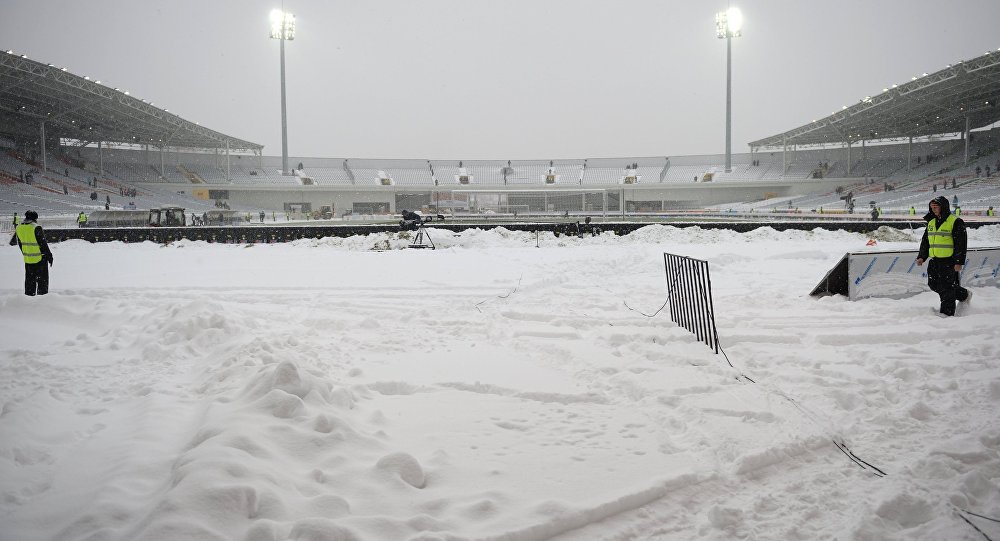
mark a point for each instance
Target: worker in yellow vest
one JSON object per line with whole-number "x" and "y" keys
{"x": 990, "y": 211}
{"x": 17, "y": 220}
{"x": 37, "y": 256}
{"x": 81, "y": 220}
{"x": 913, "y": 211}
{"x": 944, "y": 244}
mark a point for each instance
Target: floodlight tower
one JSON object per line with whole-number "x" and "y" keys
{"x": 729, "y": 25}
{"x": 283, "y": 28}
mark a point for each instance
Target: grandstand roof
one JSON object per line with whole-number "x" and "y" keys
{"x": 77, "y": 108}
{"x": 933, "y": 104}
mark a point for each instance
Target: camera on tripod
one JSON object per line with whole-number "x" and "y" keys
{"x": 414, "y": 222}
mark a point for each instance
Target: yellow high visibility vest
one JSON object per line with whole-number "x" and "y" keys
{"x": 30, "y": 249}
{"x": 82, "y": 218}
{"x": 941, "y": 243}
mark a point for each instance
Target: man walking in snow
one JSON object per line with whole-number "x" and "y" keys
{"x": 944, "y": 243}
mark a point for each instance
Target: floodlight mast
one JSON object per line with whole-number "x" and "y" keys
{"x": 283, "y": 28}
{"x": 729, "y": 25}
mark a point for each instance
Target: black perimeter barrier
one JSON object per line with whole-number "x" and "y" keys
{"x": 689, "y": 292}
{"x": 267, "y": 234}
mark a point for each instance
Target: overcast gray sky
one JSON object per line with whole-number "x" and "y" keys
{"x": 504, "y": 79}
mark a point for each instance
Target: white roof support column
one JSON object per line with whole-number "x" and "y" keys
{"x": 100, "y": 158}
{"x": 784, "y": 162}
{"x": 229, "y": 177}
{"x": 967, "y": 137}
{"x": 909, "y": 152}
{"x": 41, "y": 128}
{"x": 848, "y": 158}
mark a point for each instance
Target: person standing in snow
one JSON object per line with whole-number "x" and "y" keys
{"x": 37, "y": 256}
{"x": 944, "y": 243}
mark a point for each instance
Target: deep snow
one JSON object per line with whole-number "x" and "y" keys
{"x": 489, "y": 390}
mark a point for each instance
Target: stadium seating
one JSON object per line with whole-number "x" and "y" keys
{"x": 65, "y": 188}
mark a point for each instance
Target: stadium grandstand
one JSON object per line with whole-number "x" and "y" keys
{"x": 69, "y": 144}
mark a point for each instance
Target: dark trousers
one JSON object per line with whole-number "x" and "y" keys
{"x": 36, "y": 278}
{"x": 943, "y": 280}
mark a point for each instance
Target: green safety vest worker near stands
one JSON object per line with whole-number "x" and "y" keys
{"x": 944, "y": 244}
{"x": 37, "y": 257}
{"x": 913, "y": 211}
{"x": 991, "y": 212}
{"x": 81, "y": 220}
{"x": 17, "y": 221}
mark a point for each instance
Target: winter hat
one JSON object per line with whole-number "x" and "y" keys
{"x": 942, "y": 202}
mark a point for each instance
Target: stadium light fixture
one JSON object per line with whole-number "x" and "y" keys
{"x": 283, "y": 29}
{"x": 729, "y": 25}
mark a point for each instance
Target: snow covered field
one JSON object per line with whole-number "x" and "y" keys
{"x": 490, "y": 389}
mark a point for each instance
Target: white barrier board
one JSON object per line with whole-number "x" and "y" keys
{"x": 896, "y": 274}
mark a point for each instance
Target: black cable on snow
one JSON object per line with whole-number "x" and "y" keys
{"x": 513, "y": 290}
{"x": 662, "y": 306}
{"x": 863, "y": 464}
{"x": 848, "y": 455}
{"x": 977, "y": 514}
{"x": 857, "y": 460}
{"x": 509, "y": 293}
{"x": 645, "y": 314}
{"x": 878, "y": 472}
{"x": 969, "y": 522}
